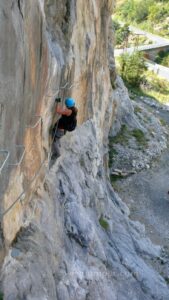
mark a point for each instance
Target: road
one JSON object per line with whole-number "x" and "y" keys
{"x": 155, "y": 38}
{"x": 142, "y": 48}
{"x": 158, "y": 42}
{"x": 158, "y": 69}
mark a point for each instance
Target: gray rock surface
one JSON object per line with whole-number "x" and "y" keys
{"x": 65, "y": 253}
{"x": 124, "y": 111}
{"x": 147, "y": 194}
{"x": 135, "y": 148}
{"x": 70, "y": 237}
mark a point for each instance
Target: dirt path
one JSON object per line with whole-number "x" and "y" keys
{"x": 147, "y": 195}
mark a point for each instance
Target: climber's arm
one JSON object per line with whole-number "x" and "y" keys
{"x": 63, "y": 111}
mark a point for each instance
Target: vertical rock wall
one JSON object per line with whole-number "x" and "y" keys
{"x": 47, "y": 45}
{"x": 25, "y": 69}
{"x": 70, "y": 236}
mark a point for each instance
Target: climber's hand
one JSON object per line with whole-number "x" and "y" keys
{"x": 57, "y": 100}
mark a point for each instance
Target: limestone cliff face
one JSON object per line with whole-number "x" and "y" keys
{"x": 47, "y": 45}
{"x": 70, "y": 236}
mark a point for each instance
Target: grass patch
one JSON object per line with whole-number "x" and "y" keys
{"x": 114, "y": 178}
{"x": 122, "y": 136}
{"x": 139, "y": 136}
{"x": 104, "y": 223}
{"x": 112, "y": 154}
{"x": 137, "y": 91}
{"x": 153, "y": 87}
{"x": 163, "y": 58}
{"x": 1, "y": 296}
{"x": 156, "y": 87}
{"x": 163, "y": 122}
{"x": 166, "y": 279}
{"x": 116, "y": 187}
{"x": 137, "y": 109}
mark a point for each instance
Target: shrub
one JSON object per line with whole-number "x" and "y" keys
{"x": 112, "y": 152}
{"x": 158, "y": 84}
{"x": 116, "y": 24}
{"x": 157, "y": 13}
{"x": 141, "y": 11}
{"x": 122, "y": 136}
{"x": 137, "y": 109}
{"x": 139, "y": 136}
{"x": 122, "y": 34}
{"x": 126, "y": 10}
{"x": 104, "y": 223}
{"x": 163, "y": 58}
{"x": 134, "y": 10}
{"x": 132, "y": 67}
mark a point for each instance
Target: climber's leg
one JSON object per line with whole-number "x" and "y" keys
{"x": 56, "y": 143}
{"x": 56, "y": 148}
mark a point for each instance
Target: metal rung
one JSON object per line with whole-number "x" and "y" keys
{"x": 7, "y": 156}
{"x": 22, "y": 156}
{"x": 23, "y": 193}
{"x": 57, "y": 91}
{"x": 38, "y": 121}
{"x": 63, "y": 87}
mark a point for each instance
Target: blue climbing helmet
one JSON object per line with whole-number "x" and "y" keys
{"x": 69, "y": 102}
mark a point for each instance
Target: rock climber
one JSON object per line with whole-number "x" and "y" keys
{"x": 67, "y": 122}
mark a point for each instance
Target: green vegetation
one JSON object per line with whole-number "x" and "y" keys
{"x": 104, "y": 223}
{"x": 121, "y": 33}
{"x": 155, "y": 87}
{"x": 132, "y": 67}
{"x": 1, "y": 296}
{"x": 112, "y": 152}
{"x": 122, "y": 136}
{"x": 133, "y": 10}
{"x": 166, "y": 279}
{"x": 141, "y": 81}
{"x": 140, "y": 137}
{"x": 137, "y": 109}
{"x": 163, "y": 58}
{"x": 163, "y": 122}
{"x": 114, "y": 178}
{"x": 149, "y": 15}
{"x": 125, "y": 38}
{"x": 161, "y": 96}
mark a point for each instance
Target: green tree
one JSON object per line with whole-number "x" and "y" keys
{"x": 135, "y": 10}
{"x": 132, "y": 67}
{"x": 157, "y": 12}
{"x": 122, "y": 34}
{"x": 141, "y": 11}
{"x": 116, "y": 24}
{"x": 126, "y": 9}
{"x": 162, "y": 58}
